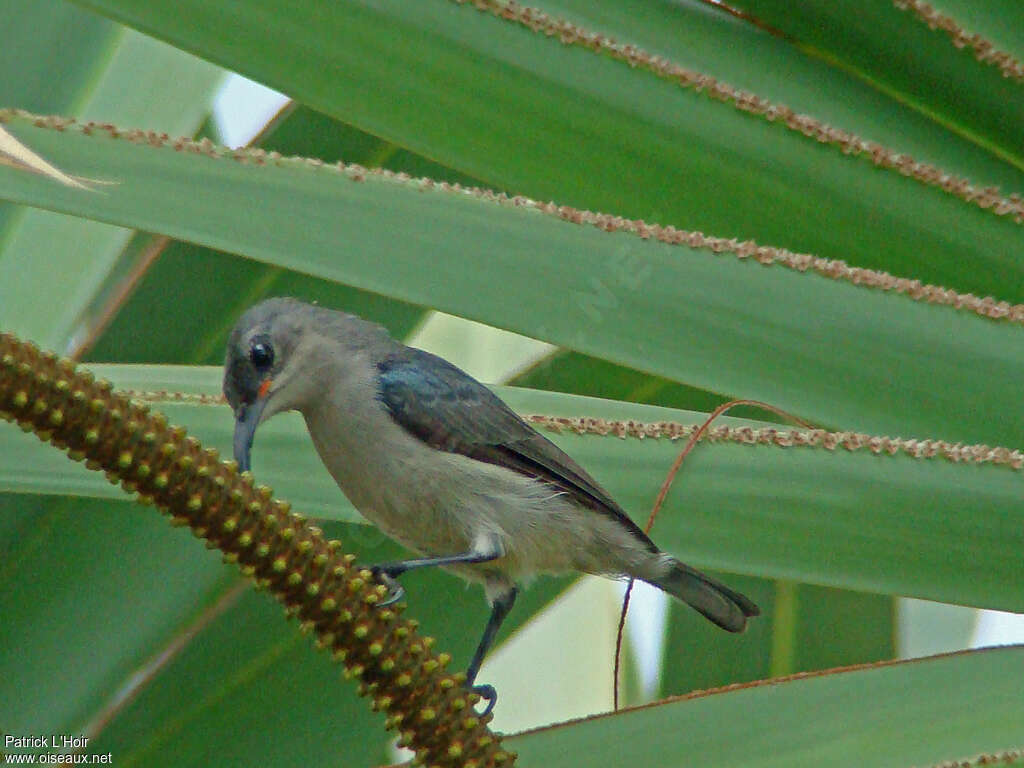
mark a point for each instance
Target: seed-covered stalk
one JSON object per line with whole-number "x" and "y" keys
{"x": 312, "y": 577}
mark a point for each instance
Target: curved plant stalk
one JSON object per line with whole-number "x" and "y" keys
{"x": 309, "y": 575}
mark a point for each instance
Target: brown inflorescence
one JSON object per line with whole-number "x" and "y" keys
{"x": 984, "y": 50}
{"x": 849, "y": 143}
{"x": 312, "y": 577}
{"x": 880, "y": 445}
{"x": 1009, "y": 757}
{"x": 788, "y": 438}
{"x": 767, "y": 255}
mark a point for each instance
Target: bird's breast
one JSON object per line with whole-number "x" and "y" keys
{"x": 441, "y": 503}
{"x": 401, "y": 485}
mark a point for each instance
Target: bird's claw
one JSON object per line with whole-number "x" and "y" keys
{"x": 395, "y": 590}
{"x": 488, "y": 694}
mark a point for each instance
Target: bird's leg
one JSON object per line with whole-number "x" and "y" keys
{"x": 501, "y": 604}
{"x": 484, "y": 550}
{"x": 395, "y": 590}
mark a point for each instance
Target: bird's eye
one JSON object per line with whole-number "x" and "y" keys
{"x": 262, "y": 355}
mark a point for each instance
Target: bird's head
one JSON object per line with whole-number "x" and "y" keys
{"x": 284, "y": 354}
{"x": 262, "y": 368}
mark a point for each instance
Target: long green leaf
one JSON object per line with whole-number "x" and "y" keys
{"x": 142, "y": 81}
{"x": 160, "y": 324}
{"x": 993, "y": 21}
{"x": 778, "y": 67}
{"x": 43, "y": 83}
{"x": 944, "y": 82}
{"x": 889, "y": 524}
{"x": 200, "y": 292}
{"x": 927, "y": 712}
{"x": 770, "y": 335}
{"x": 571, "y": 372}
{"x": 525, "y": 112}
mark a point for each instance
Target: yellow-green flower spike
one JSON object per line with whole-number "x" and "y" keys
{"x": 277, "y": 549}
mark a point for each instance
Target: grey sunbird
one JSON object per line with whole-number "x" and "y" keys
{"x": 440, "y": 464}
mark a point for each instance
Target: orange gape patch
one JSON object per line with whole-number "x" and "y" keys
{"x": 264, "y": 387}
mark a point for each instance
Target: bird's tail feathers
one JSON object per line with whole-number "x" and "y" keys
{"x": 719, "y": 604}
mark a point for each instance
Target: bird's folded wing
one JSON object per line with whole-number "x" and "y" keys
{"x": 451, "y": 411}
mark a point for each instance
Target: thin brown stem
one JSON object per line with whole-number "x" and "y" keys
{"x": 660, "y": 500}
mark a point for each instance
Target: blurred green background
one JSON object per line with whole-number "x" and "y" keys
{"x": 120, "y": 628}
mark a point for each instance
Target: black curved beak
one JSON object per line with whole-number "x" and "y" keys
{"x": 246, "y": 420}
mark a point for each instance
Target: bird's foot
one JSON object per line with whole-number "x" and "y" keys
{"x": 488, "y": 694}
{"x": 395, "y": 590}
